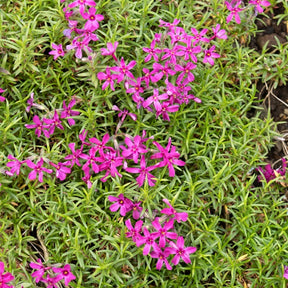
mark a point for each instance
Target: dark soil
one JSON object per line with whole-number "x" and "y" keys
{"x": 273, "y": 100}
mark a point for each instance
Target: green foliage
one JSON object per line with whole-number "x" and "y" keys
{"x": 240, "y": 231}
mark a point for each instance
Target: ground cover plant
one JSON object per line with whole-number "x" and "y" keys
{"x": 133, "y": 149}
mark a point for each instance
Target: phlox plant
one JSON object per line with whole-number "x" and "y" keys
{"x": 126, "y": 153}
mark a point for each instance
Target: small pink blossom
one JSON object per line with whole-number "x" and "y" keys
{"x": 260, "y": 3}
{"x": 179, "y": 216}
{"x": 120, "y": 202}
{"x": 64, "y": 273}
{"x": 58, "y": 51}
{"x": 210, "y": 55}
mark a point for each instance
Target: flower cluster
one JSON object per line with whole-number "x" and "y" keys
{"x": 167, "y": 85}
{"x": 108, "y": 159}
{"x": 5, "y": 278}
{"x": 43, "y": 274}
{"x": 47, "y": 125}
{"x": 234, "y": 8}
{"x": 84, "y": 35}
{"x": 162, "y": 232}
{"x": 269, "y": 173}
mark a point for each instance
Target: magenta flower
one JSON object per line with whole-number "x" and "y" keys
{"x": 155, "y": 100}
{"x": 121, "y": 202}
{"x": 123, "y": 70}
{"x": 53, "y": 123}
{"x": 37, "y": 170}
{"x": 30, "y": 102}
{"x": 170, "y": 26}
{"x": 2, "y": 99}
{"x": 162, "y": 232}
{"x": 221, "y": 34}
{"x": 162, "y": 257}
{"x": 39, "y": 127}
{"x": 124, "y": 113}
{"x": 74, "y": 157}
{"x": 41, "y": 269}
{"x": 148, "y": 239}
{"x": 165, "y": 108}
{"x": 136, "y": 87}
{"x": 179, "y": 216}
{"x": 169, "y": 158}
{"x": 134, "y": 148}
{"x": 186, "y": 71}
{"x": 178, "y": 35}
{"x": 92, "y": 19}
{"x": 64, "y": 273}
{"x": 100, "y": 145}
{"x": 190, "y": 50}
{"x": 234, "y": 11}
{"x": 161, "y": 71}
{"x": 5, "y": 278}
{"x": 209, "y": 55}
{"x": 58, "y": 51}
{"x": 172, "y": 54}
{"x": 79, "y": 46}
{"x": 51, "y": 281}
{"x": 82, "y": 4}
{"x": 180, "y": 251}
{"x": 285, "y": 275}
{"x": 61, "y": 170}
{"x": 260, "y": 3}
{"x": 111, "y": 160}
{"x": 108, "y": 77}
{"x": 14, "y": 165}
{"x": 144, "y": 173}
{"x": 111, "y": 49}
{"x": 67, "y": 112}
{"x": 134, "y": 232}
{"x": 91, "y": 160}
{"x": 199, "y": 36}
{"x": 152, "y": 52}
{"x": 136, "y": 209}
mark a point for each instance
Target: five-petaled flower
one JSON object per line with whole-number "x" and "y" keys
{"x": 121, "y": 202}
{"x": 37, "y": 170}
{"x": 260, "y": 3}
{"x": 180, "y": 251}
{"x": 64, "y": 273}
{"x": 58, "y": 51}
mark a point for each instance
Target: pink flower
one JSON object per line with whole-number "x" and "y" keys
{"x": 162, "y": 257}
{"x": 148, "y": 239}
{"x": 92, "y": 19}
{"x": 135, "y": 147}
{"x": 58, "y": 51}
{"x": 67, "y": 112}
{"x": 51, "y": 281}
{"x": 124, "y": 113}
{"x": 123, "y": 70}
{"x": 209, "y": 55}
{"x": 134, "y": 232}
{"x": 14, "y": 165}
{"x": 108, "y": 77}
{"x": 53, "y": 123}
{"x": 64, "y": 273}
{"x": 79, "y": 46}
{"x": 179, "y": 216}
{"x": 74, "y": 157}
{"x": 155, "y": 100}
{"x": 165, "y": 108}
{"x": 5, "y": 278}
{"x": 186, "y": 71}
{"x": 30, "y": 102}
{"x": 234, "y": 11}
{"x": 38, "y": 275}
{"x": 121, "y": 202}
{"x": 162, "y": 232}
{"x": 221, "y": 34}
{"x": 144, "y": 173}
{"x": 111, "y": 49}
{"x": 169, "y": 158}
{"x": 37, "y": 170}
{"x": 180, "y": 251}
{"x": 199, "y": 36}
{"x": 2, "y": 99}
{"x": 258, "y": 3}
{"x": 152, "y": 52}
{"x": 82, "y": 4}
{"x": 39, "y": 127}
{"x": 136, "y": 209}
{"x": 61, "y": 170}
{"x": 285, "y": 275}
